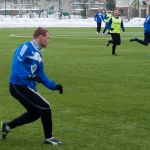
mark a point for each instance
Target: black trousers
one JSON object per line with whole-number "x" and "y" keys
{"x": 105, "y": 27}
{"x": 98, "y": 27}
{"x": 116, "y": 40}
{"x": 146, "y": 40}
{"x": 104, "y": 30}
{"x": 36, "y": 106}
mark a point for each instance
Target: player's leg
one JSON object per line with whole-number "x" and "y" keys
{"x": 45, "y": 112}
{"x": 46, "y": 119}
{"x": 148, "y": 37}
{"x": 113, "y": 36}
{"x": 116, "y": 41}
{"x": 23, "y": 95}
{"x": 110, "y": 41}
{"x": 98, "y": 27}
{"x": 104, "y": 30}
{"x": 29, "y": 116}
{"x": 106, "y": 24}
{"x": 114, "y": 49}
{"x": 143, "y": 42}
{"x": 37, "y": 107}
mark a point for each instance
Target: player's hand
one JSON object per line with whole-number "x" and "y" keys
{"x": 59, "y": 87}
{"x": 34, "y": 78}
{"x": 112, "y": 29}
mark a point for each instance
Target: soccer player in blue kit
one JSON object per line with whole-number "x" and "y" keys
{"x": 146, "y": 40}
{"x": 98, "y": 19}
{"x": 27, "y": 71}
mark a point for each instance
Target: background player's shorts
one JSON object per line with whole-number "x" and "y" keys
{"x": 116, "y": 38}
{"x": 147, "y": 37}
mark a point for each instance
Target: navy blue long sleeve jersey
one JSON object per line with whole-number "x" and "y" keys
{"x": 28, "y": 61}
{"x": 147, "y": 24}
{"x": 98, "y": 17}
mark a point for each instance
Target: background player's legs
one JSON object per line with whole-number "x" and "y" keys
{"x": 143, "y": 42}
{"x": 114, "y": 49}
{"x": 104, "y": 30}
{"x": 109, "y": 42}
{"x": 116, "y": 41}
{"x": 98, "y": 27}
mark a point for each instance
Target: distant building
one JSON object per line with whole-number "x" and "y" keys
{"x": 145, "y": 8}
{"x": 47, "y": 7}
{"x": 128, "y": 8}
{"x": 134, "y": 8}
{"x": 78, "y": 6}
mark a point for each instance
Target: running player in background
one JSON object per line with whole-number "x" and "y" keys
{"x": 146, "y": 40}
{"x": 106, "y": 19}
{"x": 115, "y": 25}
{"x": 98, "y": 19}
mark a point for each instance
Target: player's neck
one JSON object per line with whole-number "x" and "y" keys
{"x": 36, "y": 45}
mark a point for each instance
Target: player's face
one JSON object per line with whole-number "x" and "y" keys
{"x": 116, "y": 13}
{"x": 43, "y": 40}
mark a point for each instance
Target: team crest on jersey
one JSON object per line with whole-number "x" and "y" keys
{"x": 36, "y": 56}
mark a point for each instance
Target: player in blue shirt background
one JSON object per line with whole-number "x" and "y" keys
{"x": 106, "y": 17}
{"x": 27, "y": 71}
{"x": 98, "y": 19}
{"x": 146, "y": 40}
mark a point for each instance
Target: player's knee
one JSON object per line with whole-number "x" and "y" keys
{"x": 46, "y": 107}
{"x": 34, "y": 115}
{"x": 46, "y": 112}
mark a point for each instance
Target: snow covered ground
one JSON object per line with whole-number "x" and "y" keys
{"x": 52, "y": 22}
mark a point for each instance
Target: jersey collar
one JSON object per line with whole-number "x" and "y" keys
{"x": 36, "y": 45}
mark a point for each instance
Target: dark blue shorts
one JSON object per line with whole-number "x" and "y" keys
{"x": 147, "y": 37}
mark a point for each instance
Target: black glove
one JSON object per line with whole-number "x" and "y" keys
{"x": 112, "y": 29}
{"x": 35, "y": 78}
{"x": 59, "y": 88}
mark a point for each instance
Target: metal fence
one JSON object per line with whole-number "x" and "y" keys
{"x": 46, "y": 8}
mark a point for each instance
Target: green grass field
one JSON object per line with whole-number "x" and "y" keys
{"x": 106, "y": 100}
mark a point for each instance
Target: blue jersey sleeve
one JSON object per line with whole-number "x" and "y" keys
{"x": 147, "y": 24}
{"x": 122, "y": 26}
{"x": 104, "y": 17}
{"x": 45, "y": 81}
{"x": 20, "y": 55}
{"x": 108, "y": 25}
